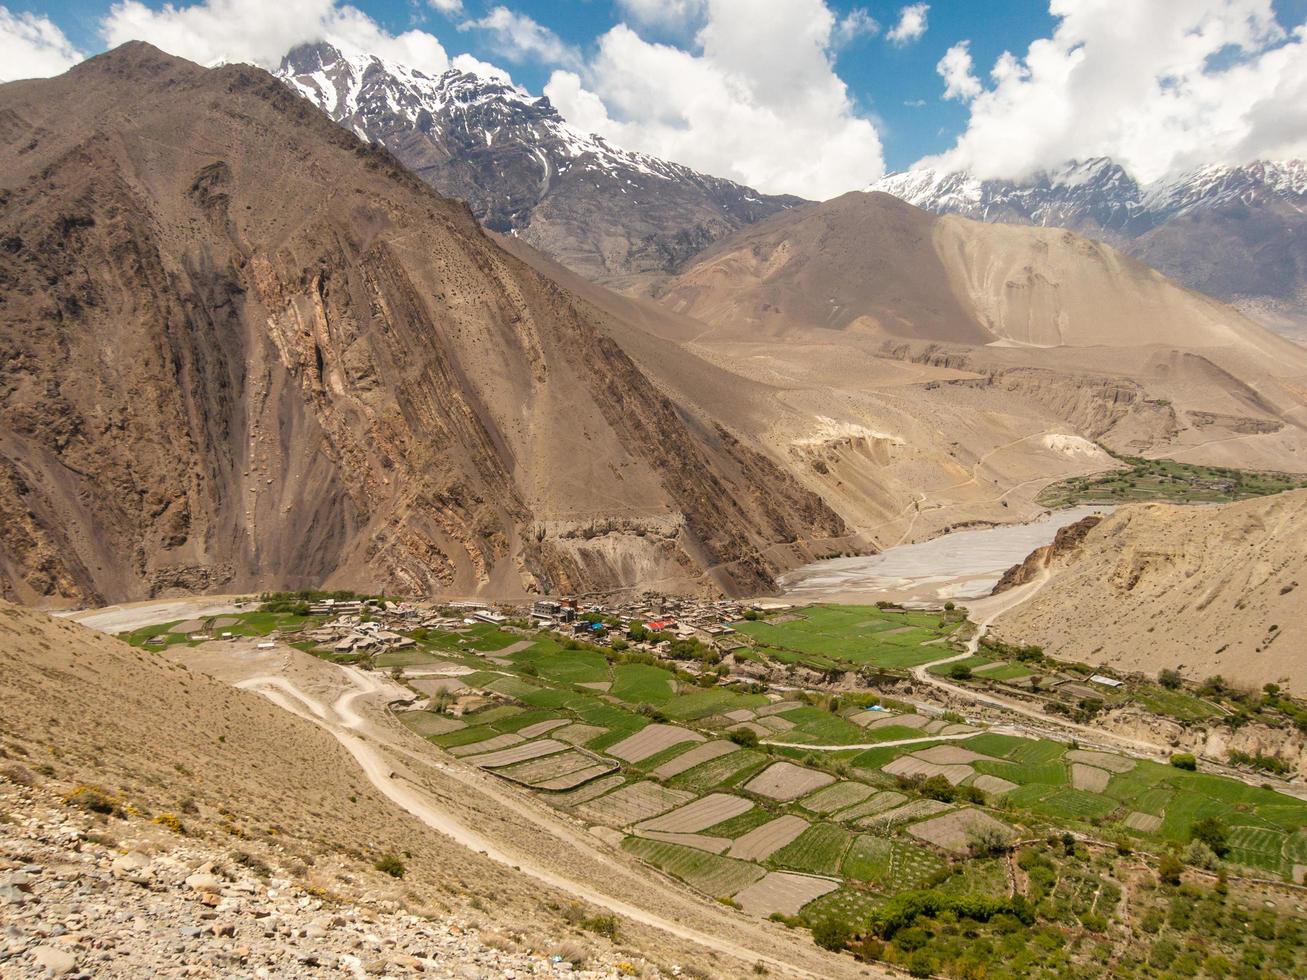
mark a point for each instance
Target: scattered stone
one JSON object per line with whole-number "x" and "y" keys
{"x": 56, "y": 961}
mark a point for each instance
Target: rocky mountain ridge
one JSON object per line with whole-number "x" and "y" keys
{"x": 244, "y": 349}
{"x": 1238, "y": 233}
{"x": 600, "y": 210}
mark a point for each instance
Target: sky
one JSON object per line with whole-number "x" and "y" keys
{"x": 812, "y": 97}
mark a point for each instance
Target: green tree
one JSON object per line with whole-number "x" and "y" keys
{"x": 1211, "y": 832}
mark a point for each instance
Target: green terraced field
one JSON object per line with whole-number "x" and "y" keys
{"x": 563, "y": 666}
{"x": 642, "y": 684}
{"x": 828, "y": 635}
{"x": 942, "y": 670}
{"x": 890, "y": 864}
{"x": 818, "y": 850}
{"x": 709, "y": 701}
{"x": 1006, "y": 672}
{"x": 726, "y": 770}
{"x": 740, "y": 825}
{"x": 817, "y": 727}
{"x": 709, "y": 873}
{"x": 851, "y": 905}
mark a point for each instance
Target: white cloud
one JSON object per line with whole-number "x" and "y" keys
{"x": 911, "y": 25}
{"x": 853, "y": 25}
{"x": 519, "y": 38}
{"x": 960, "y": 82}
{"x": 447, "y": 7}
{"x": 758, "y": 99}
{"x": 260, "y": 32}
{"x": 1159, "y": 87}
{"x": 674, "y": 15}
{"x": 32, "y": 46}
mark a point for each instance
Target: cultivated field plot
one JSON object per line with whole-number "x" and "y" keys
{"x": 632, "y": 804}
{"x": 1145, "y": 823}
{"x": 994, "y": 785}
{"x": 1089, "y": 778}
{"x": 708, "y": 811}
{"x": 897, "y": 721}
{"x": 778, "y": 707}
{"x": 1101, "y": 760}
{"x": 642, "y": 684}
{"x": 950, "y": 755}
{"x": 786, "y": 781}
{"x": 783, "y": 892}
{"x": 914, "y": 810}
{"x": 721, "y": 772}
{"x": 818, "y": 850}
{"x": 541, "y": 727}
{"x": 839, "y": 796}
{"x": 651, "y": 740}
{"x": 426, "y": 723}
{"x": 914, "y": 765}
{"x": 761, "y": 842}
{"x": 881, "y": 802}
{"x": 699, "y": 754}
{"x": 828, "y": 635}
{"x": 588, "y": 792}
{"x": 955, "y": 831}
{"x": 699, "y": 842}
{"x": 486, "y": 745}
{"x": 562, "y": 770}
{"x": 709, "y": 873}
{"x": 579, "y": 734}
{"x": 517, "y": 753}
{"x": 890, "y": 864}
{"x": 869, "y": 716}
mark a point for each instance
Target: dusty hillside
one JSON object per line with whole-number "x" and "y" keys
{"x": 243, "y": 349}
{"x": 259, "y": 790}
{"x": 874, "y": 264}
{"x": 932, "y": 370}
{"x": 1204, "y": 590}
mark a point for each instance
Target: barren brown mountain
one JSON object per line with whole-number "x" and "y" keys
{"x": 243, "y": 349}
{"x": 1203, "y": 590}
{"x": 930, "y": 372}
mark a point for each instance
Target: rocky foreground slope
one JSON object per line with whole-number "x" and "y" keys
{"x": 1203, "y": 590}
{"x": 243, "y": 349}
{"x": 600, "y": 210}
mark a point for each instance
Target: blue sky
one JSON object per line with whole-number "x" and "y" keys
{"x": 762, "y": 100}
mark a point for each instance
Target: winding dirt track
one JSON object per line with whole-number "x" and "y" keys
{"x": 361, "y": 736}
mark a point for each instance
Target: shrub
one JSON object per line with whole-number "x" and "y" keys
{"x": 391, "y": 865}
{"x": 1184, "y": 760}
{"x": 960, "y": 672}
{"x": 831, "y": 934}
{"x": 1168, "y": 869}
{"x": 601, "y": 925}
{"x": 171, "y": 821}
{"x": 93, "y": 799}
{"x": 745, "y": 737}
{"x": 1169, "y": 679}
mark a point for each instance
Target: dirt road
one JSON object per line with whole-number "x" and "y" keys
{"x": 365, "y": 738}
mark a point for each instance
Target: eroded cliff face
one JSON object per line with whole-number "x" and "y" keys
{"x": 244, "y": 350}
{"x": 1064, "y": 544}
